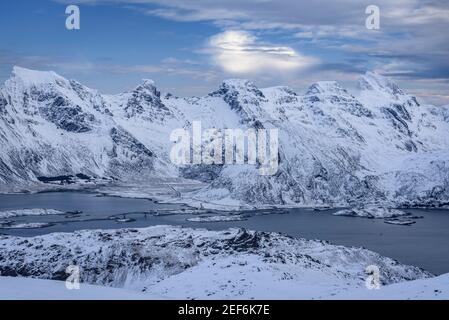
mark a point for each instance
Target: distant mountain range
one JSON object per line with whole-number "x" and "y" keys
{"x": 376, "y": 145}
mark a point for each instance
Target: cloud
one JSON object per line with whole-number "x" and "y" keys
{"x": 239, "y": 52}
{"x": 287, "y": 12}
{"x": 168, "y": 67}
{"x": 420, "y": 15}
{"x": 411, "y": 44}
{"x": 162, "y": 69}
{"x": 187, "y": 15}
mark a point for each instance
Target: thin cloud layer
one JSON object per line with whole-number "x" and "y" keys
{"x": 239, "y": 52}
{"x": 267, "y": 39}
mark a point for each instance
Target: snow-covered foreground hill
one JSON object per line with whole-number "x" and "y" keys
{"x": 175, "y": 262}
{"x": 375, "y": 145}
{"x": 33, "y": 289}
{"x": 436, "y": 288}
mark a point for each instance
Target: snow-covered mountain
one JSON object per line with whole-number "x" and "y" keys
{"x": 51, "y": 126}
{"x": 374, "y": 145}
{"x": 183, "y": 263}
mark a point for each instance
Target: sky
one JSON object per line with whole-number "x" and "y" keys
{"x": 189, "y": 46}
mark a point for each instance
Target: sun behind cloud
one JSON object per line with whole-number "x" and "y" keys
{"x": 239, "y": 52}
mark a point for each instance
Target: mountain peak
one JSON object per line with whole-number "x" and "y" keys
{"x": 147, "y": 89}
{"x": 147, "y": 86}
{"x": 236, "y": 87}
{"x": 326, "y": 87}
{"x": 243, "y": 86}
{"x": 29, "y": 76}
{"x": 374, "y": 81}
{"x": 238, "y": 83}
{"x": 148, "y": 83}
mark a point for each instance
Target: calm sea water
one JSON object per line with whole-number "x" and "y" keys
{"x": 424, "y": 244}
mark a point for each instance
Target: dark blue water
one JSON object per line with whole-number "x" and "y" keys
{"x": 424, "y": 244}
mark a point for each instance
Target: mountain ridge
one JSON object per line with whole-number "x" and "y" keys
{"x": 336, "y": 148}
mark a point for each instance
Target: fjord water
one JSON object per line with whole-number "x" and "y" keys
{"x": 424, "y": 244}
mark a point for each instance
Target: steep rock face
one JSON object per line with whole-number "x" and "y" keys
{"x": 245, "y": 99}
{"x": 377, "y": 145}
{"x": 393, "y": 107}
{"x": 58, "y": 110}
{"x": 331, "y": 92}
{"x": 92, "y": 97}
{"x": 51, "y": 126}
{"x": 337, "y": 148}
{"x": 311, "y": 170}
{"x": 129, "y": 157}
{"x": 145, "y": 102}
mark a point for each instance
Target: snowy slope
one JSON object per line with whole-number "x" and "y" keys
{"x": 377, "y": 144}
{"x": 25, "y": 289}
{"x": 436, "y": 288}
{"x": 34, "y": 289}
{"x": 184, "y": 263}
